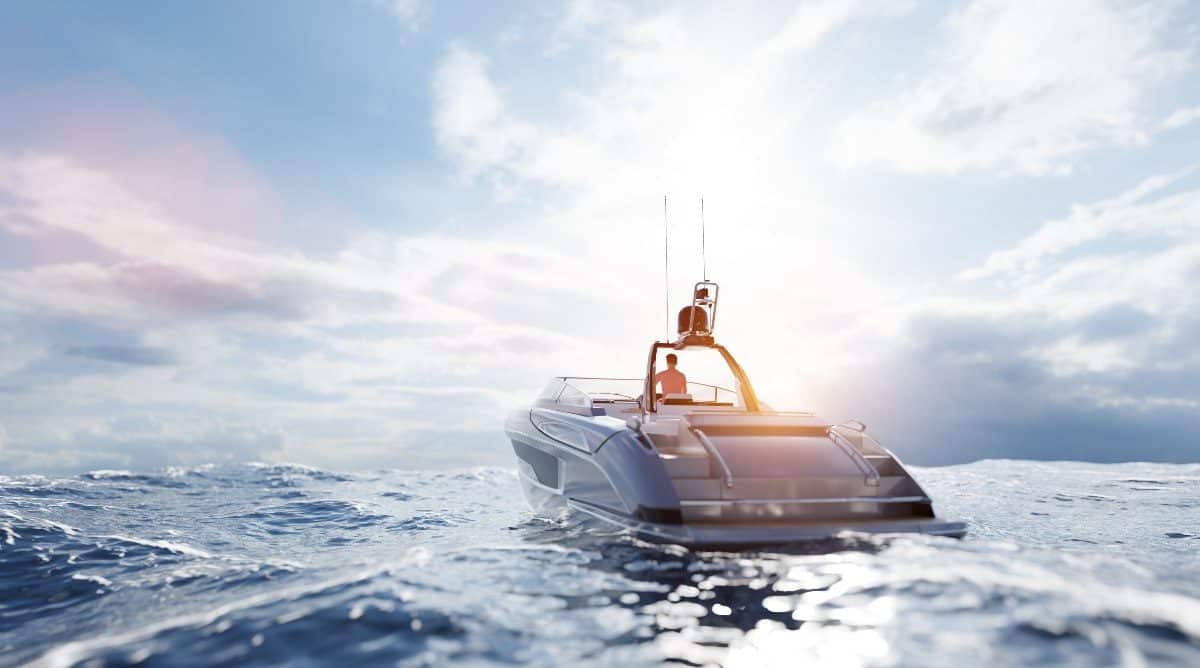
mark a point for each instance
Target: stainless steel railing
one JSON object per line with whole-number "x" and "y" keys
{"x": 726, "y": 474}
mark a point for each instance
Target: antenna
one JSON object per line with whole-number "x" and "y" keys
{"x": 666, "y": 271}
{"x": 703, "y": 245}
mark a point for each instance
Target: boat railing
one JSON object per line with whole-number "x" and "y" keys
{"x": 870, "y": 473}
{"x": 715, "y": 390}
{"x": 726, "y": 474}
{"x": 856, "y": 432}
{"x": 582, "y": 383}
{"x": 603, "y": 389}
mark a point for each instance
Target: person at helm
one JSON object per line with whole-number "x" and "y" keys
{"x": 671, "y": 380}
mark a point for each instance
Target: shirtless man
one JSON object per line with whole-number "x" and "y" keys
{"x": 672, "y": 380}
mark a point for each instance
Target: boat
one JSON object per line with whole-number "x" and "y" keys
{"x": 711, "y": 466}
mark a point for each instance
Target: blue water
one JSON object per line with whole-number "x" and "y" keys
{"x": 1070, "y": 564}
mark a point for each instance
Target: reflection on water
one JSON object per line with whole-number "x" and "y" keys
{"x": 697, "y": 605}
{"x": 694, "y": 606}
{"x": 265, "y": 564}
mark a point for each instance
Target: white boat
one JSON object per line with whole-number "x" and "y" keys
{"x": 711, "y": 466}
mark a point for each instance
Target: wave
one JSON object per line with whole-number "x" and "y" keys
{"x": 264, "y": 564}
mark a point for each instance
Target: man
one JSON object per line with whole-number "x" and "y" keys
{"x": 672, "y": 380}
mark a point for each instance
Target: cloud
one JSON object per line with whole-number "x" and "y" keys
{"x": 470, "y": 118}
{"x": 1181, "y": 118}
{"x": 682, "y": 100}
{"x": 811, "y": 22}
{"x": 136, "y": 355}
{"x": 142, "y": 444}
{"x": 582, "y": 19}
{"x": 409, "y": 13}
{"x": 223, "y": 331}
{"x": 661, "y": 109}
{"x": 1131, "y": 216}
{"x": 1090, "y": 354}
{"x": 161, "y": 318}
{"x": 279, "y": 342}
{"x": 1022, "y": 86}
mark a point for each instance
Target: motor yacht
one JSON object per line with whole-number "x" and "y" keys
{"x": 712, "y": 465}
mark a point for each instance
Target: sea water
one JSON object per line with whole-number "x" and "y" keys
{"x": 1065, "y": 563}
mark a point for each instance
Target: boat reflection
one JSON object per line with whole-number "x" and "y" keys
{"x": 755, "y": 607}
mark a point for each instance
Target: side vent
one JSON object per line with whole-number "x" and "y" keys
{"x": 543, "y": 465}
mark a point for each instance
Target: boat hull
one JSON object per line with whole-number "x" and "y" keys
{"x": 604, "y": 470}
{"x": 702, "y": 535}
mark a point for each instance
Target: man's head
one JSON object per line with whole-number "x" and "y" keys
{"x": 672, "y": 360}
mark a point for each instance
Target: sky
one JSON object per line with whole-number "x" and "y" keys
{"x": 358, "y": 234}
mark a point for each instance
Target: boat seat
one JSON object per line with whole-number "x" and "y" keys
{"x": 733, "y": 422}
{"x": 770, "y": 446}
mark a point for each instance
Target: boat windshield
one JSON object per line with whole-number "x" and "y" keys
{"x": 710, "y": 381}
{"x": 607, "y": 390}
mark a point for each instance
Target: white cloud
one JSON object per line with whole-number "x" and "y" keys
{"x": 812, "y": 21}
{"x": 470, "y": 119}
{"x": 1088, "y": 354}
{"x": 1181, "y": 118}
{"x": 141, "y": 443}
{"x": 409, "y": 13}
{"x": 1133, "y": 215}
{"x": 684, "y": 100}
{"x": 681, "y": 100}
{"x": 259, "y": 338}
{"x": 581, "y": 19}
{"x": 1022, "y": 86}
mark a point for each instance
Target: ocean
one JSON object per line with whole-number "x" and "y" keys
{"x": 1065, "y": 564}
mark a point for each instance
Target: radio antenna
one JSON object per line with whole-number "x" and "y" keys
{"x": 703, "y": 245}
{"x": 666, "y": 270}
